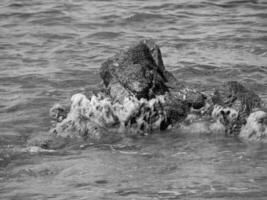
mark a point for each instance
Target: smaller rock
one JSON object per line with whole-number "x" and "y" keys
{"x": 192, "y": 97}
{"x": 235, "y": 103}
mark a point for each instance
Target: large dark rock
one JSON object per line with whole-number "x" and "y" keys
{"x": 140, "y": 71}
{"x": 135, "y": 72}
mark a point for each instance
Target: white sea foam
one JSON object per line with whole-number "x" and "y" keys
{"x": 256, "y": 127}
{"x": 138, "y": 116}
{"x": 94, "y": 115}
{"x": 100, "y": 111}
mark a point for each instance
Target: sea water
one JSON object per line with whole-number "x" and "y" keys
{"x": 50, "y": 50}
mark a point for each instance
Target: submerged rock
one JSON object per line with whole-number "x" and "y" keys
{"x": 192, "y": 97}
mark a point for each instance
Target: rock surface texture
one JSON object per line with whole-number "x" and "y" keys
{"x": 140, "y": 71}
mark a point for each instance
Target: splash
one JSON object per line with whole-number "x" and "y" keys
{"x": 88, "y": 117}
{"x": 98, "y": 117}
{"x": 256, "y": 127}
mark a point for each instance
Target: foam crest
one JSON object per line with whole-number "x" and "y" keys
{"x": 95, "y": 117}
{"x": 256, "y": 127}
{"x": 99, "y": 112}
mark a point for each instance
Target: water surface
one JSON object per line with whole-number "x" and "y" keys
{"x": 50, "y": 50}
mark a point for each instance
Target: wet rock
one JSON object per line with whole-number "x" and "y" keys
{"x": 140, "y": 72}
{"x": 235, "y": 103}
{"x": 235, "y": 95}
{"x": 175, "y": 109}
{"x": 83, "y": 131}
{"x": 192, "y": 97}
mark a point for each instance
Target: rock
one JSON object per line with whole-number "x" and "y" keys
{"x": 175, "y": 109}
{"x": 137, "y": 71}
{"x": 140, "y": 71}
{"x": 234, "y": 99}
{"x": 235, "y": 95}
{"x": 140, "y": 96}
{"x": 192, "y": 97}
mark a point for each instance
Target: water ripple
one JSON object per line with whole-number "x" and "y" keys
{"x": 50, "y": 50}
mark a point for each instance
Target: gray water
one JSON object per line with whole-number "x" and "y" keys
{"x": 50, "y": 50}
